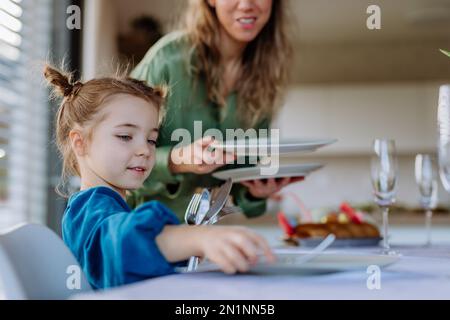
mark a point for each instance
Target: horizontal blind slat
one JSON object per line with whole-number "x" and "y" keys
{"x": 24, "y": 42}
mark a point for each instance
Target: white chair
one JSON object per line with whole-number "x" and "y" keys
{"x": 36, "y": 264}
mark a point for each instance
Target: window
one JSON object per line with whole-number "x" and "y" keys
{"x": 25, "y": 32}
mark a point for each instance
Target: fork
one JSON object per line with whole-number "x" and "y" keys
{"x": 191, "y": 210}
{"x": 193, "y": 217}
{"x": 190, "y": 218}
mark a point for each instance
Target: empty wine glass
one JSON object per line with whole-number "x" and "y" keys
{"x": 444, "y": 136}
{"x": 384, "y": 179}
{"x": 426, "y": 179}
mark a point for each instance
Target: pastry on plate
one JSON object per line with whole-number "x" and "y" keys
{"x": 340, "y": 230}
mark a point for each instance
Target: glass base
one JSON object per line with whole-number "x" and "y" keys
{"x": 427, "y": 245}
{"x": 389, "y": 252}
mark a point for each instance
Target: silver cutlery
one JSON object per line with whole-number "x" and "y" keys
{"x": 223, "y": 213}
{"x": 195, "y": 211}
{"x": 317, "y": 250}
{"x": 219, "y": 201}
{"x": 203, "y": 207}
{"x": 191, "y": 210}
{"x": 194, "y": 217}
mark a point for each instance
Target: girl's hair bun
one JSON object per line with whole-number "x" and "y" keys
{"x": 61, "y": 82}
{"x": 160, "y": 91}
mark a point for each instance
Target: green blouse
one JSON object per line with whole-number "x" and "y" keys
{"x": 168, "y": 63}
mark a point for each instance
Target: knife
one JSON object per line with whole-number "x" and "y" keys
{"x": 219, "y": 201}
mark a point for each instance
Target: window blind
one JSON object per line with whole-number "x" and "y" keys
{"x": 25, "y": 33}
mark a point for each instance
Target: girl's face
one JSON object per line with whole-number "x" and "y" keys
{"x": 121, "y": 151}
{"x": 243, "y": 20}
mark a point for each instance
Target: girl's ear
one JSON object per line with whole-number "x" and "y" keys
{"x": 77, "y": 142}
{"x": 212, "y": 3}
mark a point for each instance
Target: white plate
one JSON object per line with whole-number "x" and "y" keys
{"x": 326, "y": 262}
{"x": 255, "y": 173}
{"x": 342, "y": 243}
{"x": 263, "y": 147}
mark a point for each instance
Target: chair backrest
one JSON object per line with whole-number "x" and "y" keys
{"x": 36, "y": 264}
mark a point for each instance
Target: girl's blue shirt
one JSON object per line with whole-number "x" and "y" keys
{"x": 114, "y": 244}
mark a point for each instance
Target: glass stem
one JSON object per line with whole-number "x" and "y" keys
{"x": 428, "y": 216}
{"x": 386, "y": 245}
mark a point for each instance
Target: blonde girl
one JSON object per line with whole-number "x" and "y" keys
{"x": 106, "y": 131}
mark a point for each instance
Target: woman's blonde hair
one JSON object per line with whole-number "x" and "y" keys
{"x": 265, "y": 61}
{"x": 82, "y": 101}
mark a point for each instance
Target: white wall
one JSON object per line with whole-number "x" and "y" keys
{"x": 348, "y": 179}
{"x": 355, "y": 115}
{"x": 99, "y": 38}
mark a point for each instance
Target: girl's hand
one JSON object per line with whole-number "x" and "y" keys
{"x": 233, "y": 249}
{"x": 259, "y": 189}
{"x": 199, "y": 157}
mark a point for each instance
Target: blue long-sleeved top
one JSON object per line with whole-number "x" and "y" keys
{"x": 114, "y": 244}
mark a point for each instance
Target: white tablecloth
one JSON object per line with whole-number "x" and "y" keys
{"x": 421, "y": 273}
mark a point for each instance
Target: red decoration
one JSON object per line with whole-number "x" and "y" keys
{"x": 350, "y": 212}
{"x": 284, "y": 224}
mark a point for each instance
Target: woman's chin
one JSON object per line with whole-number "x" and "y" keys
{"x": 244, "y": 37}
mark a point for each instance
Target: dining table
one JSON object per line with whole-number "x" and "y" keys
{"x": 421, "y": 272}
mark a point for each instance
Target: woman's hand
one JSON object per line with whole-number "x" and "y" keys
{"x": 200, "y": 157}
{"x": 259, "y": 189}
{"x": 233, "y": 249}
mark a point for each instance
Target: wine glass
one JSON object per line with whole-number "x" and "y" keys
{"x": 384, "y": 179}
{"x": 444, "y": 136}
{"x": 426, "y": 179}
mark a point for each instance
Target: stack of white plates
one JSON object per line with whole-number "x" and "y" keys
{"x": 253, "y": 148}
{"x": 256, "y": 173}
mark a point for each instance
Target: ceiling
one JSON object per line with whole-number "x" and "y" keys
{"x": 345, "y": 20}
{"x": 321, "y": 21}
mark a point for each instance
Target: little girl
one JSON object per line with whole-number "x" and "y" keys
{"x": 106, "y": 131}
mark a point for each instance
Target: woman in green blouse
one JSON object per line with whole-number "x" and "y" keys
{"x": 225, "y": 69}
